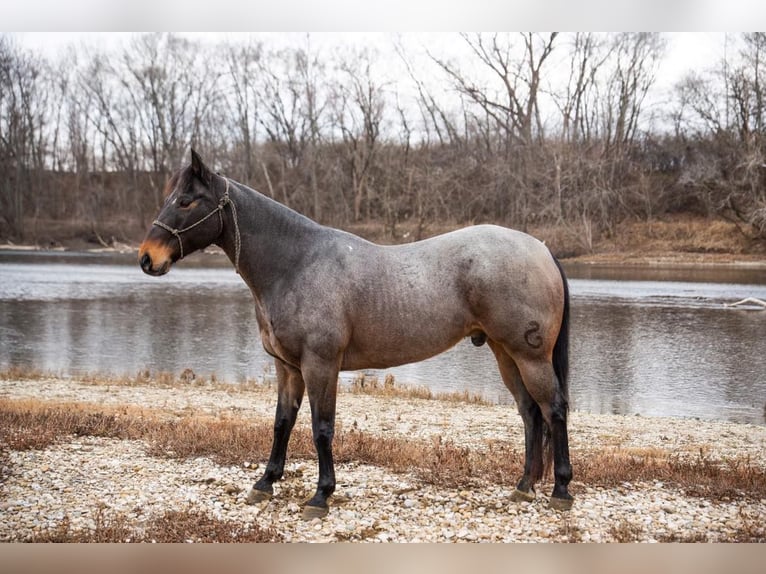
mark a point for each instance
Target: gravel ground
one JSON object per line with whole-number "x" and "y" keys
{"x": 76, "y": 476}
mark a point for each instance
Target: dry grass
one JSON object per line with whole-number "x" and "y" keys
{"x": 143, "y": 377}
{"x": 172, "y": 526}
{"x": 750, "y": 529}
{"x": 370, "y": 385}
{"x": 362, "y": 384}
{"x": 700, "y": 476}
{"x": 626, "y": 531}
{"x": 34, "y": 425}
{"x": 684, "y": 238}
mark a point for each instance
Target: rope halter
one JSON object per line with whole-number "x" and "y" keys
{"x": 222, "y": 203}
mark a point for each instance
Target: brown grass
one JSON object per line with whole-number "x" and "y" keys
{"x": 32, "y": 424}
{"x": 750, "y": 528}
{"x": 370, "y": 385}
{"x": 626, "y": 531}
{"x": 687, "y": 239}
{"x": 362, "y": 384}
{"x": 172, "y": 526}
{"x": 700, "y": 476}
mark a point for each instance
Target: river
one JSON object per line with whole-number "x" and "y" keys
{"x": 650, "y": 341}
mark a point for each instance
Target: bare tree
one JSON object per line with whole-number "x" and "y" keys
{"x": 588, "y": 54}
{"x": 635, "y": 60}
{"x": 358, "y": 106}
{"x": 242, "y": 67}
{"x": 435, "y": 119}
{"x": 22, "y": 132}
{"x": 514, "y": 105}
{"x": 173, "y": 88}
{"x": 293, "y": 105}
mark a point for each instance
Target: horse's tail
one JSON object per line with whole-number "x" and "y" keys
{"x": 561, "y": 348}
{"x": 561, "y": 369}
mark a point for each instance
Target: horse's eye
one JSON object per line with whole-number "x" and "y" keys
{"x": 184, "y": 202}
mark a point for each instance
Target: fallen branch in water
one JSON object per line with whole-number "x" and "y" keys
{"x": 747, "y": 300}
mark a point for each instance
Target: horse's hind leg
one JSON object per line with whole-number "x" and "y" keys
{"x": 540, "y": 381}
{"x": 533, "y": 425}
{"x": 290, "y": 388}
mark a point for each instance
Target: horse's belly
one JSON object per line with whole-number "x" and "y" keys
{"x": 354, "y": 359}
{"x": 408, "y": 341}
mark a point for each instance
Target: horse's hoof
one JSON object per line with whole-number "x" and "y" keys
{"x": 561, "y": 504}
{"x": 256, "y": 496}
{"x": 312, "y": 512}
{"x": 521, "y": 496}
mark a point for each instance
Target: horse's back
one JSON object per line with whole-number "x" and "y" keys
{"x": 412, "y": 301}
{"x": 487, "y": 240}
{"x": 499, "y": 258}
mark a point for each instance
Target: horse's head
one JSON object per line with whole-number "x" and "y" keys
{"x": 190, "y": 219}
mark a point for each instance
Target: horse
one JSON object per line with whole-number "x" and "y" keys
{"x": 327, "y": 300}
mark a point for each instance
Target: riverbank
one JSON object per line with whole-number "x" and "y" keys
{"x": 89, "y": 459}
{"x": 691, "y": 241}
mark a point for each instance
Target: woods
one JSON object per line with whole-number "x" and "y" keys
{"x": 520, "y": 129}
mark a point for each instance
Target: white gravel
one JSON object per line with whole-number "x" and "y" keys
{"x": 74, "y": 477}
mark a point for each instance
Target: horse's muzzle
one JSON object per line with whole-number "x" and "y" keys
{"x": 148, "y": 266}
{"x": 154, "y": 260}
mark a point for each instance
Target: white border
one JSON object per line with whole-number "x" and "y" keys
{"x": 384, "y": 15}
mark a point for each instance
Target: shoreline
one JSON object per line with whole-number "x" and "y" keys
{"x": 628, "y": 259}
{"x": 77, "y": 474}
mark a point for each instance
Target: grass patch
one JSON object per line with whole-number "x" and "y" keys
{"x": 33, "y": 424}
{"x": 750, "y": 529}
{"x": 700, "y": 477}
{"x": 172, "y": 526}
{"x": 626, "y": 531}
{"x": 362, "y": 384}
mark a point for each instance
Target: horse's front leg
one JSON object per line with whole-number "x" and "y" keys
{"x": 290, "y": 388}
{"x": 321, "y": 378}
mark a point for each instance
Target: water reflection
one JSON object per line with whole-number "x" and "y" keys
{"x": 655, "y": 348}
{"x": 669, "y": 361}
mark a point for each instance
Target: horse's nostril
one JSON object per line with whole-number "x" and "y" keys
{"x": 146, "y": 262}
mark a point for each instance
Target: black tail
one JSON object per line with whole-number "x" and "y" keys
{"x": 561, "y": 369}
{"x": 561, "y": 348}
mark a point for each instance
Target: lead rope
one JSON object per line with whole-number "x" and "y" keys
{"x": 237, "y": 238}
{"x": 223, "y": 202}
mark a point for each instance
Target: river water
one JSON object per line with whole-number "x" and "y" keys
{"x": 650, "y": 341}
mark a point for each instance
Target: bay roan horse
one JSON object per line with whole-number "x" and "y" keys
{"x": 326, "y": 301}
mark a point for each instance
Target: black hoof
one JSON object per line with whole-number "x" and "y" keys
{"x": 521, "y": 496}
{"x": 561, "y": 504}
{"x": 312, "y": 512}
{"x": 256, "y": 496}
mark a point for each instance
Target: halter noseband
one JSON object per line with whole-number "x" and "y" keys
{"x": 222, "y": 203}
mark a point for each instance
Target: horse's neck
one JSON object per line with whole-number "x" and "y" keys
{"x": 273, "y": 238}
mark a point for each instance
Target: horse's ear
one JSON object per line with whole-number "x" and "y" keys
{"x": 199, "y": 168}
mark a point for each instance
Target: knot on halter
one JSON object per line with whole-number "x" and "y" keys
{"x": 222, "y": 203}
